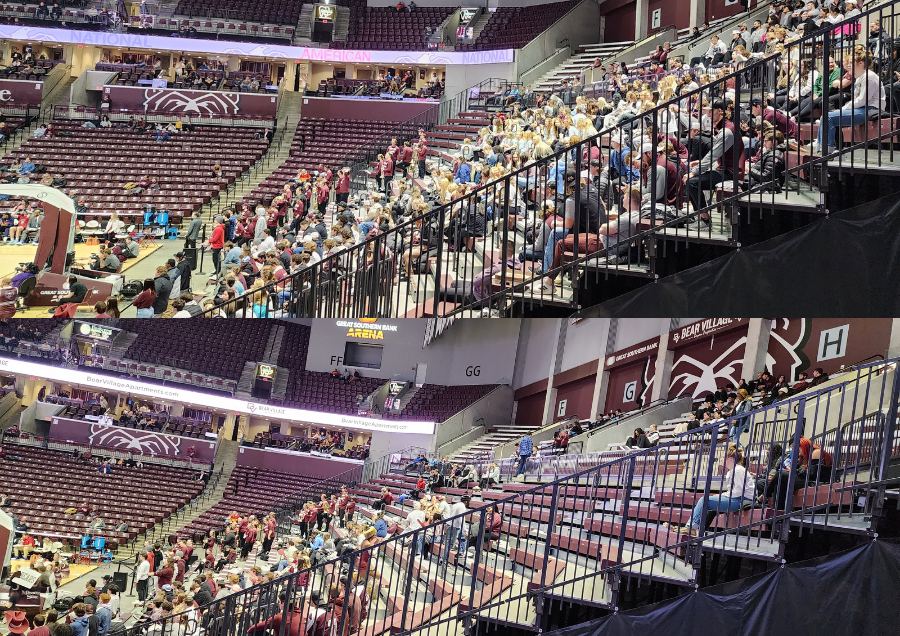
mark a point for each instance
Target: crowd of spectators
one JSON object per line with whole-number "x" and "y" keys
{"x": 323, "y": 442}
{"x": 692, "y": 144}
{"x": 728, "y": 401}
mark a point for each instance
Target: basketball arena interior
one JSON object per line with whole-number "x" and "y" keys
{"x": 345, "y": 159}
{"x": 285, "y": 477}
{"x": 436, "y": 383}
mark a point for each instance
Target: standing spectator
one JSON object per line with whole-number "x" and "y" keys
{"x": 144, "y": 302}
{"x": 217, "y": 242}
{"x": 163, "y": 287}
{"x": 193, "y": 232}
{"x": 342, "y": 189}
{"x": 526, "y": 448}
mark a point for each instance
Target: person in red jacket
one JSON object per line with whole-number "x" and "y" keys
{"x": 217, "y": 242}
{"x": 342, "y": 189}
{"x": 421, "y": 484}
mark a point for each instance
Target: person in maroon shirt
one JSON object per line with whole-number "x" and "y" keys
{"x": 312, "y": 514}
{"x": 342, "y": 189}
{"x": 243, "y": 523}
{"x": 404, "y": 157}
{"x": 250, "y": 538}
{"x": 342, "y": 501}
{"x": 423, "y": 152}
{"x": 322, "y": 192}
{"x": 165, "y": 574}
{"x": 8, "y": 295}
{"x": 385, "y": 173}
{"x": 180, "y": 566}
{"x": 268, "y": 530}
{"x": 351, "y": 508}
{"x": 386, "y": 499}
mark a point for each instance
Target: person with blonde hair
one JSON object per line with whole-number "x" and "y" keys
{"x": 743, "y": 404}
{"x": 738, "y": 488}
{"x": 868, "y": 96}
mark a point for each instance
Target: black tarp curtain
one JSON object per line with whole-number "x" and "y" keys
{"x": 847, "y": 264}
{"x": 854, "y": 593}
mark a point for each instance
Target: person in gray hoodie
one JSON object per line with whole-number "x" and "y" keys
{"x": 258, "y": 231}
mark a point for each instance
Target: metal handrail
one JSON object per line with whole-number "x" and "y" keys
{"x": 700, "y": 451}
{"x": 365, "y": 272}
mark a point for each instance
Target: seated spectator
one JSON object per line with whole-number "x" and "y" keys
{"x": 868, "y": 96}
{"x": 638, "y": 440}
{"x": 819, "y": 376}
{"x": 738, "y": 490}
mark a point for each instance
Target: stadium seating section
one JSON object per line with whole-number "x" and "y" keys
{"x": 322, "y": 392}
{"x": 96, "y": 168}
{"x": 386, "y": 29}
{"x": 438, "y": 403}
{"x": 514, "y": 27}
{"x": 43, "y": 484}
{"x": 217, "y": 349}
{"x": 333, "y": 143}
{"x": 249, "y": 491}
{"x": 156, "y": 422}
{"x": 445, "y": 139}
{"x": 45, "y": 67}
{"x": 273, "y": 12}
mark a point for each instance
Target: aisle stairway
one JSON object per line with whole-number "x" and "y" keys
{"x": 497, "y": 436}
{"x": 226, "y": 459}
{"x": 572, "y": 67}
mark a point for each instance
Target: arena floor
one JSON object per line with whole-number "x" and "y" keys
{"x": 12, "y": 256}
{"x": 75, "y": 571}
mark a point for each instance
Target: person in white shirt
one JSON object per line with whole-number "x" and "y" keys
{"x": 868, "y": 97}
{"x": 114, "y": 600}
{"x": 142, "y": 576}
{"x": 653, "y": 435}
{"x": 114, "y": 226}
{"x": 457, "y": 527}
{"x": 415, "y": 521}
{"x": 714, "y": 54}
{"x": 739, "y": 486}
{"x": 267, "y": 244}
{"x": 441, "y": 505}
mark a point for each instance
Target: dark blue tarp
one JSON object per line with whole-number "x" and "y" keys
{"x": 847, "y": 264}
{"x": 854, "y": 593}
